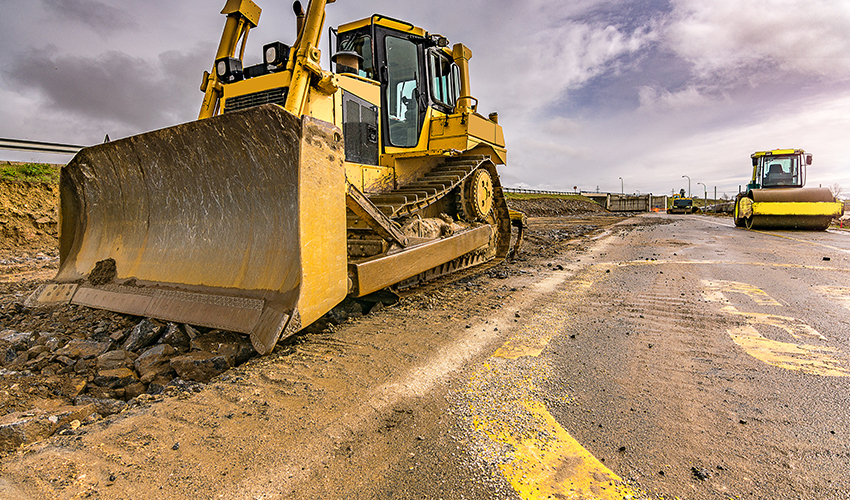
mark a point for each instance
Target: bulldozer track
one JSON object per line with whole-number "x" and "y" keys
{"x": 447, "y": 179}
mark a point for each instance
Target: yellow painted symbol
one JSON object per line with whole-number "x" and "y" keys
{"x": 804, "y": 357}
{"x": 807, "y": 358}
{"x": 547, "y": 462}
{"x": 837, "y": 293}
{"x": 714, "y": 292}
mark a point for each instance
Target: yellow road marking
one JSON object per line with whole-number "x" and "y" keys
{"x": 539, "y": 457}
{"x": 793, "y": 326}
{"x": 715, "y": 288}
{"x": 809, "y": 359}
{"x": 806, "y": 358}
{"x": 550, "y": 463}
{"x": 838, "y": 293}
{"x": 800, "y": 241}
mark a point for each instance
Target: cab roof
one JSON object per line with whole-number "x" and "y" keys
{"x": 382, "y": 20}
{"x": 777, "y": 152}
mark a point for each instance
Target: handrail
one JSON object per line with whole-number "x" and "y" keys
{"x": 38, "y": 146}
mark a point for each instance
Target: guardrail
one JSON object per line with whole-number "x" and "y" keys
{"x": 39, "y": 147}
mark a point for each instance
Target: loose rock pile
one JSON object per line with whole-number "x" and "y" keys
{"x": 78, "y": 357}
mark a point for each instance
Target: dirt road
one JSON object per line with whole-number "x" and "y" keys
{"x": 651, "y": 358}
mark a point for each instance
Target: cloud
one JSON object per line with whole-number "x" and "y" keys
{"x": 654, "y": 98}
{"x": 759, "y": 39}
{"x": 131, "y": 93}
{"x": 96, "y": 15}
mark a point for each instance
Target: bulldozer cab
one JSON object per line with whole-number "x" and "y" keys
{"x": 415, "y": 70}
{"x": 417, "y": 74}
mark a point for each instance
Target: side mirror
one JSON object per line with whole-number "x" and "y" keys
{"x": 755, "y": 161}
{"x": 808, "y": 159}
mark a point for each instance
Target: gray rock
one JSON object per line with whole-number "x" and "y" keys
{"x": 116, "y": 378}
{"x": 143, "y": 335}
{"x": 65, "y": 360}
{"x": 20, "y": 341}
{"x": 116, "y": 359}
{"x": 191, "y": 331}
{"x": 236, "y": 348}
{"x": 200, "y": 366}
{"x": 83, "y": 349}
{"x": 155, "y": 362}
{"x": 176, "y": 337}
{"x": 103, "y": 406}
{"x": 7, "y": 355}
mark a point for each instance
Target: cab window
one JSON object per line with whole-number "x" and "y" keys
{"x": 445, "y": 80}
{"x": 362, "y": 44}
{"x": 781, "y": 171}
{"x": 402, "y": 91}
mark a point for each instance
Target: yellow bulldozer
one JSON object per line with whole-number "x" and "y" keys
{"x": 775, "y": 197}
{"x": 295, "y": 188}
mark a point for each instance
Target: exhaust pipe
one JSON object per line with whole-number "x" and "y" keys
{"x": 299, "y": 16}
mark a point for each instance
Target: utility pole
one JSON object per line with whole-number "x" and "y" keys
{"x": 705, "y": 195}
{"x": 715, "y": 200}
{"x": 689, "y": 185}
{"x": 621, "y": 186}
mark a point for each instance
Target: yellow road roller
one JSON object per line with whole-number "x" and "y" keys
{"x": 775, "y": 197}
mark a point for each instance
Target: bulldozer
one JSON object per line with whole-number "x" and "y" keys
{"x": 775, "y": 197}
{"x": 295, "y": 188}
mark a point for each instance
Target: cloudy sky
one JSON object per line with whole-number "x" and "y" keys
{"x": 588, "y": 91}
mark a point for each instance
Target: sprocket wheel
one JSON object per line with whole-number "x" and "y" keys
{"x": 477, "y": 195}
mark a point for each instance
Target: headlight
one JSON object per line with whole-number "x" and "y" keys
{"x": 228, "y": 69}
{"x": 275, "y": 53}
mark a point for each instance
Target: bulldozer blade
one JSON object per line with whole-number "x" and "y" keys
{"x": 236, "y": 222}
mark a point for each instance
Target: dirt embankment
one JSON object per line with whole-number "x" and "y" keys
{"x": 555, "y": 207}
{"x": 29, "y": 216}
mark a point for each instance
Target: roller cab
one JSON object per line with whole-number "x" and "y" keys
{"x": 775, "y": 197}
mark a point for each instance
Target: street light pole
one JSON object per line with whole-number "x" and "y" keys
{"x": 621, "y": 186}
{"x": 705, "y": 194}
{"x": 689, "y": 185}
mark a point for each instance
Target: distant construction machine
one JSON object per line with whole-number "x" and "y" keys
{"x": 775, "y": 197}
{"x": 296, "y": 187}
{"x": 681, "y": 204}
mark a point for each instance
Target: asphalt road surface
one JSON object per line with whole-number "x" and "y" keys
{"x": 660, "y": 357}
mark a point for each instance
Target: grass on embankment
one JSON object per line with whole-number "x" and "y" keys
{"x": 29, "y": 172}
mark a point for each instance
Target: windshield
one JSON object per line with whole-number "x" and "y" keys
{"x": 780, "y": 171}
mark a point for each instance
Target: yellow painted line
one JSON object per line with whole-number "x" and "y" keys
{"x": 540, "y": 459}
{"x": 520, "y": 347}
{"x": 801, "y": 241}
{"x": 550, "y": 463}
{"x": 719, "y": 262}
{"x": 715, "y": 289}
